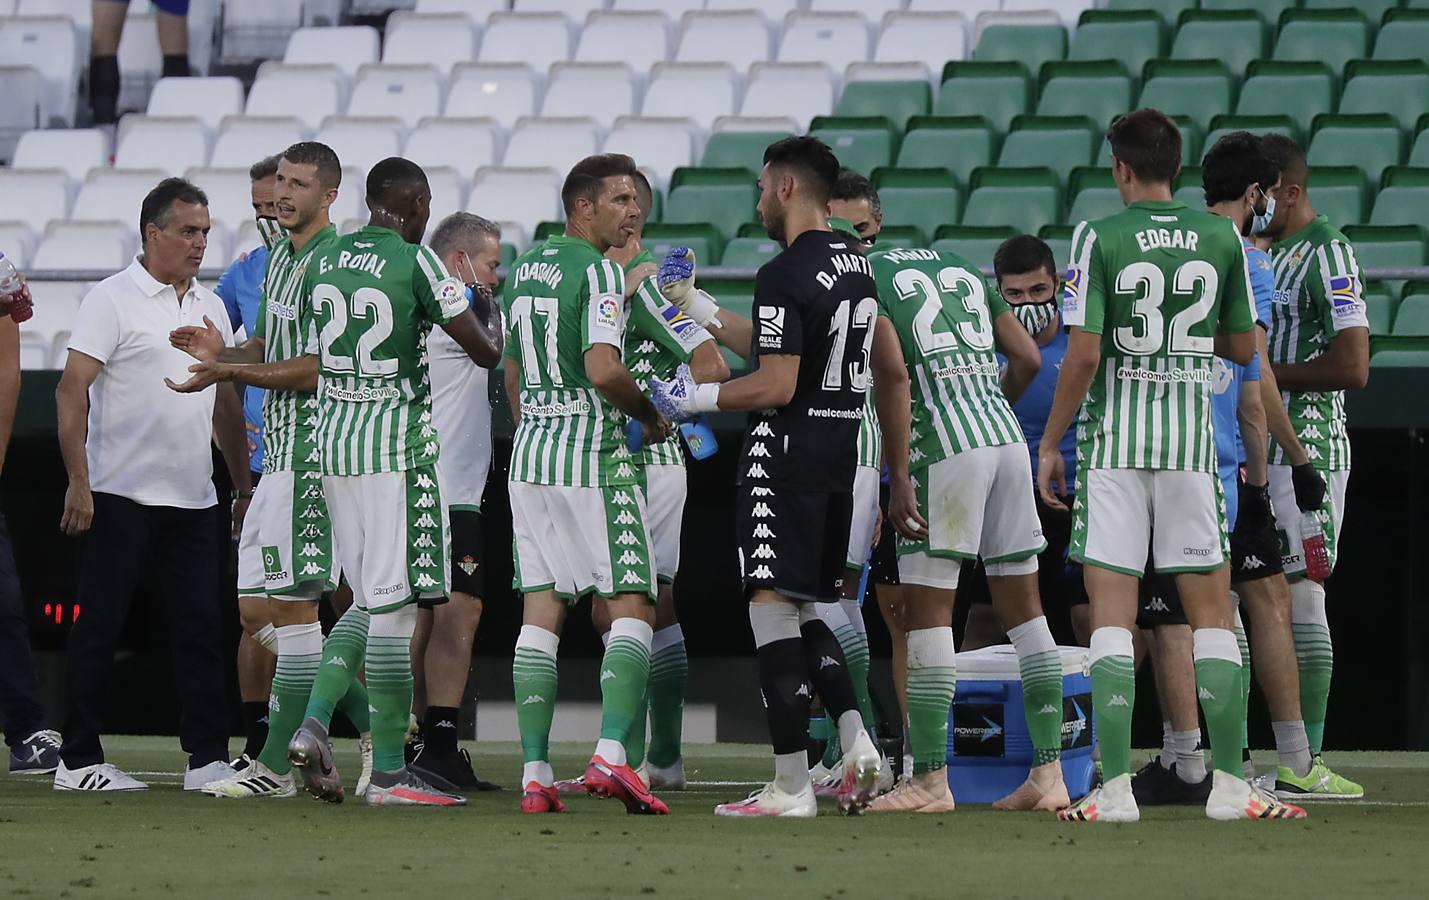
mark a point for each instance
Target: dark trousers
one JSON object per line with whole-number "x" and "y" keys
{"x": 178, "y": 552}
{"x": 19, "y": 691}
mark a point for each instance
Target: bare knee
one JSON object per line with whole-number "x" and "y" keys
{"x": 253, "y": 614}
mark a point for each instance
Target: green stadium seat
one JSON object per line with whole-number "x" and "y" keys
{"x": 1191, "y": 194}
{"x": 1093, "y": 195}
{"x": 918, "y": 198}
{"x": 1404, "y": 35}
{"x": 901, "y": 237}
{"x": 996, "y": 90}
{"x": 1031, "y": 45}
{"x": 749, "y": 252}
{"x": 547, "y": 230}
{"x": 1419, "y": 156}
{"x": 1197, "y": 89}
{"x": 1224, "y": 125}
{"x": 1235, "y": 38}
{"x": 1388, "y": 246}
{"x": 1379, "y": 309}
{"x": 1373, "y": 10}
{"x": 1101, "y": 91}
{"x": 1412, "y": 320}
{"x": 1404, "y": 199}
{"x": 1372, "y": 142}
{"x": 1190, "y": 144}
{"x": 897, "y": 101}
{"x": 1058, "y": 239}
{"x": 738, "y": 149}
{"x": 1271, "y": 9}
{"x": 1399, "y": 88}
{"x": 724, "y": 198}
{"x": 1300, "y": 90}
{"x": 1331, "y": 36}
{"x": 977, "y": 245}
{"x": 1400, "y": 359}
{"x": 1060, "y": 143}
{"x": 1026, "y": 199}
{"x": 705, "y": 240}
{"x": 508, "y": 254}
{"x": 1339, "y": 192}
{"x": 1131, "y": 37}
{"x": 956, "y": 143}
{"x": 752, "y": 229}
{"x": 861, "y": 149}
{"x": 1168, "y": 10}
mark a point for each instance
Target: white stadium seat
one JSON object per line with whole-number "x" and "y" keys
{"x": 35, "y": 195}
{"x": 526, "y": 197}
{"x": 258, "y": 29}
{"x": 504, "y": 92}
{"x": 246, "y": 238}
{"x": 672, "y": 8}
{"x": 230, "y": 196}
{"x": 220, "y": 244}
{"x": 35, "y": 352}
{"x": 700, "y": 91}
{"x": 839, "y": 38}
{"x": 762, "y": 124}
{"x": 1067, "y": 10}
{"x": 575, "y": 9}
{"x": 47, "y": 44}
{"x": 872, "y": 10}
{"x": 27, "y": 101}
{"x": 929, "y": 38}
{"x": 109, "y": 195}
{"x": 448, "y": 196}
{"x": 410, "y": 93}
{"x": 537, "y": 39}
{"x": 638, "y": 39}
{"x": 601, "y": 91}
{"x": 438, "y": 40}
{"x": 660, "y": 146}
{"x": 96, "y": 246}
{"x": 348, "y": 226}
{"x": 462, "y": 144}
{"x": 56, "y": 309}
{"x": 740, "y": 38}
{"x": 344, "y": 46}
{"x": 208, "y": 98}
{"x": 76, "y": 150}
{"x": 969, "y": 8}
{"x": 889, "y": 71}
{"x": 360, "y": 143}
{"x": 556, "y": 143}
{"x": 310, "y": 99}
{"x": 160, "y": 142}
{"x": 798, "y": 90}
{"x": 17, "y": 239}
{"x": 141, "y": 61}
{"x": 351, "y": 200}
{"x": 773, "y": 10}
{"x": 475, "y": 10}
{"x": 243, "y": 140}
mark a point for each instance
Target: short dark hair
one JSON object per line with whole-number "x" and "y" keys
{"x": 392, "y": 176}
{"x": 311, "y": 153}
{"x": 644, "y": 195}
{"x": 1022, "y": 254}
{"x": 266, "y": 167}
{"x": 1149, "y": 142}
{"x": 159, "y": 202}
{"x": 585, "y": 177}
{"x": 813, "y": 160}
{"x": 1287, "y": 156}
{"x": 1234, "y": 163}
{"x": 852, "y": 186}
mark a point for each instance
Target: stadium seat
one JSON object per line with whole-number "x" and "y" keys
{"x": 749, "y": 252}
{"x": 462, "y": 144}
{"x": 448, "y": 194}
{"x": 504, "y": 92}
{"x": 1031, "y": 45}
{"x": 1025, "y": 198}
{"x": 1067, "y": 10}
{"x": 108, "y": 195}
{"x": 1300, "y": 90}
{"x": 739, "y": 38}
{"x": 523, "y": 196}
{"x": 1168, "y": 10}
{"x": 557, "y": 143}
{"x": 243, "y": 140}
{"x": 1197, "y": 89}
{"x": 1388, "y": 246}
{"x": 1331, "y": 36}
{"x": 774, "y": 10}
{"x": 1393, "y": 359}
{"x": 1404, "y": 35}
{"x": 18, "y": 241}
{"x": 1270, "y": 9}
{"x": 1379, "y": 310}
{"x": 1099, "y": 90}
{"x": 1418, "y": 156}
{"x": 159, "y": 142}
{"x": 1403, "y": 199}
{"x": 638, "y": 39}
{"x": 997, "y": 91}
{"x": 536, "y": 39}
{"x": 1338, "y": 191}
{"x": 1093, "y": 194}
{"x": 1223, "y": 125}
{"x": 660, "y": 146}
{"x": 476, "y": 10}
{"x": 1373, "y": 143}
{"x": 210, "y": 99}
{"x": 923, "y": 199}
{"x": 797, "y": 90}
{"x": 76, "y": 150}
{"x": 1399, "y": 88}
{"x": 705, "y": 240}
{"x": 230, "y": 196}
{"x": 35, "y": 195}
{"x": 958, "y": 144}
{"x": 887, "y": 71}
{"x": 362, "y": 142}
{"x": 897, "y": 101}
{"x": 976, "y": 244}
{"x": 573, "y": 9}
{"x": 410, "y": 93}
{"x": 344, "y": 46}
{"x": 700, "y": 91}
{"x": 739, "y": 149}
{"x": 310, "y": 97}
{"x": 435, "y": 40}
{"x": 816, "y": 37}
{"x": 26, "y": 103}
{"x": 860, "y": 144}
{"x": 1060, "y": 143}
{"x": 1412, "y": 320}
{"x": 1373, "y": 10}
{"x": 927, "y": 37}
{"x": 1058, "y": 239}
{"x": 1233, "y": 37}
{"x": 258, "y": 29}
{"x": 872, "y": 10}
{"x": 1131, "y": 37}
{"x": 49, "y": 46}
{"x": 672, "y": 8}
{"x": 602, "y": 91}
{"x": 724, "y": 198}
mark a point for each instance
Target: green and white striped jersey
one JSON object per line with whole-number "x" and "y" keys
{"x": 1317, "y": 295}
{"x": 290, "y": 418}
{"x": 562, "y": 298}
{"x": 1155, "y": 281}
{"x": 374, "y": 299}
{"x": 870, "y": 442}
{"x": 943, "y": 311}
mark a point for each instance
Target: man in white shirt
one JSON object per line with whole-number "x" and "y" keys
{"x": 140, "y": 487}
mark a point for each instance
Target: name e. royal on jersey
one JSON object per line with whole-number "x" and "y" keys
{"x": 370, "y": 263}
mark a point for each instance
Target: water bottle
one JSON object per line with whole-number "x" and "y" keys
{"x": 10, "y": 287}
{"x": 1312, "y": 539}
{"x": 698, "y": 435}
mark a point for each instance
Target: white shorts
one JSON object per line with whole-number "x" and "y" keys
{"x": 977, "y": 503}
{"x": 1287, "y": 516}
{"x": 581, "y": 540}
{"x": 1119, "y": 513}
{"x": 665, "y": 492}
{"x": 393, "y": 536}
{"x": 865, "y": 516}
{"x": 286, "y": 546}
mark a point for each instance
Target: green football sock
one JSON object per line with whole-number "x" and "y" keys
{"x": 1316, "y": 655}
{"x": 1218, "y": 686}
{"x": 1040, "y": 665}
{"x": 343, "y": 653}
{"x": 300, "y": 653}
{"x": 932, "y": 681}
{"x": 1113, "y": 697}
{"x": 635, "y": 741}
{"x": 356, "y": 707}
{"x": 669, "y": 671}
{"x": 533, "y": 674}
{"x": 1244, "y": 647}
{"x": 389, "y": 685}
{"x": 833, "y": 750}
{"x": 624, "y": 676}
{"x": 854, "y": 643}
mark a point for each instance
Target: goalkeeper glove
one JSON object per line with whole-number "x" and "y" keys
{"x": 1309, "y": 487}
{"x": 676, "y": 280}
{"x": 680, "y": 398}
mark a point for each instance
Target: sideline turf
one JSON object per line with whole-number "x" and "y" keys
{"x": 166, "y": 843}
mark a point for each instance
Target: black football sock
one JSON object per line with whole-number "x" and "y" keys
{"x": 255, "y": 726}
{"x": 439, "y": 729}
{"x": 104, "y": 88}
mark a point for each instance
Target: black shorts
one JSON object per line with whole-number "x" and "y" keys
{"x": 1059, "y": 580}
{"x": 794, "y": 542}
{"x": 1159, "y": 603}
{"x": 883, "y": 565}
{"x": 1255, "y": 552}
{"x": 467, "y": 576}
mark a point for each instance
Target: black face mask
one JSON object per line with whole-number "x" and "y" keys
{"x": 868, "y": 241}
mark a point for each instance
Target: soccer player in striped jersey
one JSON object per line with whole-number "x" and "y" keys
{"x": 374, "y": 296}
{"x": 1319, "y": 348}
{"x": 578, "y": 506}
{"x": 285, "y": 553}
{"x": 1152, "y": 295}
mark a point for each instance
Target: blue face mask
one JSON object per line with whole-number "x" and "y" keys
{"x": 1260, "y": 222}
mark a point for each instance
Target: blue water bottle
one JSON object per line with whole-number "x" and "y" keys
{"x": 698, "y": 434}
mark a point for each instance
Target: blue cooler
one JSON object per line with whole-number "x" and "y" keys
{"x": 989, "y": 750}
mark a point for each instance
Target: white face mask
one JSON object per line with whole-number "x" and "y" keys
{"x": 1035, "y": 317}
{"x": 1260, "y": 222}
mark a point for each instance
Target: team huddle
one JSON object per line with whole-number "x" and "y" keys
{"x": 892, "y": 395}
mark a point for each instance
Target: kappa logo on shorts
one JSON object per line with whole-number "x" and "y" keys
{"x": 424, "y": 561}
{"x": 803, "y": 690}
{"x": 426, "y": 501}
{"x": 632, "y": 578}
{"x": 621, "y": 498}
{"x": 424, "y": 481}
{"x": 826, "y": 662}
{"x": 756, "y": 471}
{"x": 762, "y": 511}
{"x": 760, "y": 450}
{"x": 631, "y": 558}
{"x": 425, "y": 520}
{"x": 762, "y": 573}
{"x": 762, "y": 530}
{"x": 311, "y": 531}
{"x": 425, "y": 581}
{"x": 1157, "y": 605}
{"x": 762, "y": 430}
{"x": 761, "y": 492}
{"x": 312, "y": 568}
{"x": 763, "y": 551}
{"x": 310, "y": 550}
{"x": 625, "y": 518}
{"x": 424, "y": 542}
{"x": 627, "y": 539}
{"x": 624, "y": 471}
{"x": 1252, "y": 562}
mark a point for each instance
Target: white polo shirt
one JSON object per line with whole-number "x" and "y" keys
{"x": 461, "y": 412}
{"x": 146, "y": 442}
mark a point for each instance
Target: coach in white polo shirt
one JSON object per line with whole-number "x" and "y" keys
{"x": 141, "y": 488}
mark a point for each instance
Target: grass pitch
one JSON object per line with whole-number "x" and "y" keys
{"x": 167, "y": 843}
